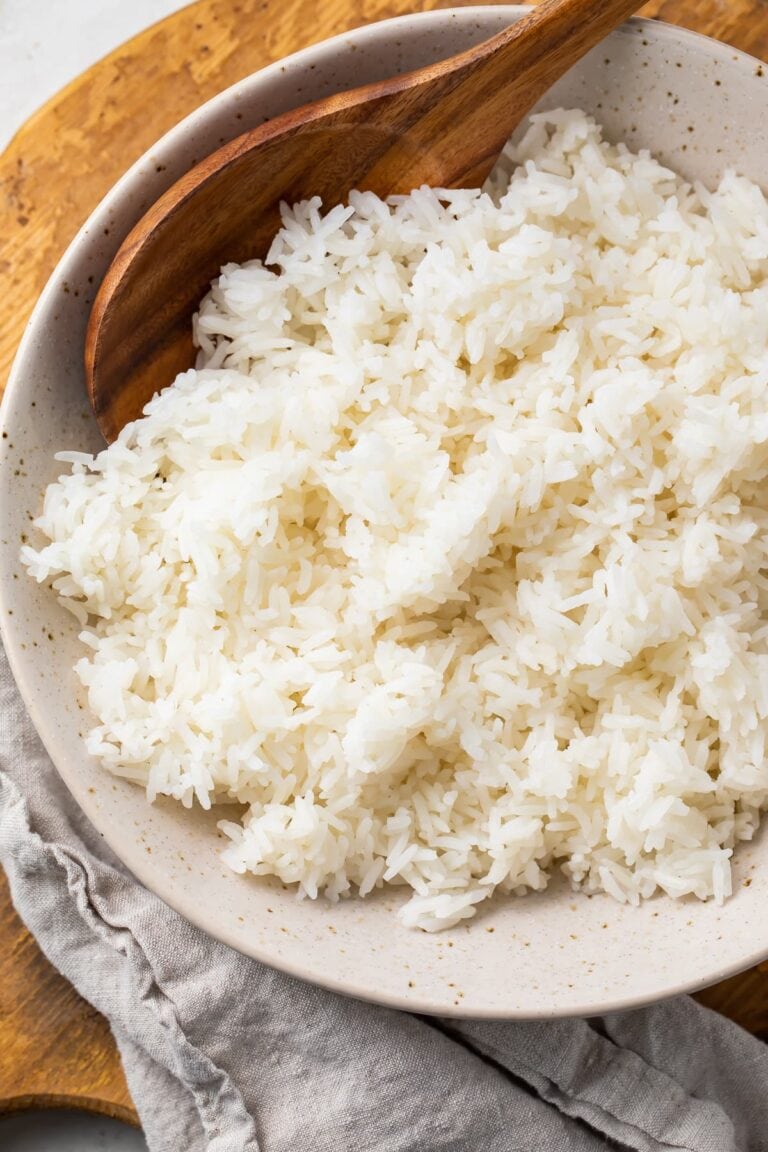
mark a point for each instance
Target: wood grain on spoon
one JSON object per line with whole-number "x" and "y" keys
{"x": 442, "y": 125}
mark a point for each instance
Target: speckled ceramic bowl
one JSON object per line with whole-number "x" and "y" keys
{"x": 701, "y": 107}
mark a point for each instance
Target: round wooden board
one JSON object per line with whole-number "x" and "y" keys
{"x": 52, "y": 174}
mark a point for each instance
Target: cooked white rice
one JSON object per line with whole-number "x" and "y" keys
{"x": 447, "y": 561}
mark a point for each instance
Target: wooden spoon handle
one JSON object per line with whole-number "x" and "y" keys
{"x": 488, "y": 89}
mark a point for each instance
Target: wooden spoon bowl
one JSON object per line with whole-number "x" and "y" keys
{"x": 443, "y": 125}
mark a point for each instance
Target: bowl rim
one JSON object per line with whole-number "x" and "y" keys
{"x": 129, "y": 853}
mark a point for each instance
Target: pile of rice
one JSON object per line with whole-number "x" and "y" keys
{"x": 448, "y": 559}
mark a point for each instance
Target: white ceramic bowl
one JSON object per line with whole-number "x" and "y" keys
{"x": 701, "y": 107}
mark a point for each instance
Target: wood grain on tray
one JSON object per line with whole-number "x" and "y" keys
{"x": 54, "y": 1048}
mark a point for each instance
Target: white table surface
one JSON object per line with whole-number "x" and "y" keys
{"x": 46, "y": 43}
{"x": 43, "y": 45}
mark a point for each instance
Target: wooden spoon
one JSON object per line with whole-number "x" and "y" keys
{"x": 443, "y": 125}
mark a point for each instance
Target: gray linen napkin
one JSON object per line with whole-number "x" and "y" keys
{"x": 225, "y": 1055}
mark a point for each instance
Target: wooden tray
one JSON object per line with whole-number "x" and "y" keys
{"x": 54, "y": 1049}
